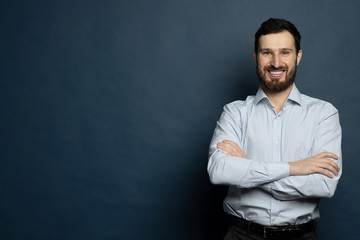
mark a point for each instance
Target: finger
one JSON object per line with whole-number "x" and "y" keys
{"x": 332, "y": 170}
{"x": 231, "y": 143}
{"x": 223, "y": 146}
{"x": 227, "y": 145}
{"x": 332, "y": 163}
{"x": 329, "y": 167}
{"x": 228, "y": 141}
{"x": 231, "y": 150}
{"x": 235, "y": 145}
{"x": 325, "y": 172}
{"x": 227, "y": 148}
{"x": 328, "y": 155}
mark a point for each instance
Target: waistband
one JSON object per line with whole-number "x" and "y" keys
{"x": 272, "y": 232}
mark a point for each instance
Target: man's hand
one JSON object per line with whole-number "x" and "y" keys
{"x": 231, "y": 149}
{"x": 317, "y": 164}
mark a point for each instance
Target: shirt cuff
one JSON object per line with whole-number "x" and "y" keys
{"x": 277, "y": 170}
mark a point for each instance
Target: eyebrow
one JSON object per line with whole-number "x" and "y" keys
{"x": 271, "y": 49}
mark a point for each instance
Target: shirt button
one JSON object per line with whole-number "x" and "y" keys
{"x": 276, "y": 142}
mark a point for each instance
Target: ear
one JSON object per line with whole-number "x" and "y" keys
{"x": 298, "y": 57}
{"x": 254, "y": 53}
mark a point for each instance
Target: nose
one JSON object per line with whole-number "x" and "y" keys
{"x": 275, "y": 61}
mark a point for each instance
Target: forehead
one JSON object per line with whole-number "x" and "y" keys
{"x": 277, "y": 40}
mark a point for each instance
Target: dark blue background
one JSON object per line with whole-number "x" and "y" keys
{"x": 107, "y": 109}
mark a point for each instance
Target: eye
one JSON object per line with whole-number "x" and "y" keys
{"x": 285, "y": 52}
{"x": 266, "y": 53}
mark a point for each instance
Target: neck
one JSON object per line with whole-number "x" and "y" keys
{"x": 278, "y": 99}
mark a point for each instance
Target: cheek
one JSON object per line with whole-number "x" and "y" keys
{"x": 291, "y": 63}
{"x": 262, "y": 64}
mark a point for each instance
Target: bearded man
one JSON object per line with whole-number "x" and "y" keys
{"x": 278, "y": 151}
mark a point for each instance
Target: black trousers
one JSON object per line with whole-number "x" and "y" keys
{"x": 236, "y": 233}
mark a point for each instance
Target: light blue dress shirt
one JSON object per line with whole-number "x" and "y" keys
{"x": 260, "y": 188}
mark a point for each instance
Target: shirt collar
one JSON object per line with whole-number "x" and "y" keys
{"x": 260, "y": 95}
{"x": 294, "y": 96}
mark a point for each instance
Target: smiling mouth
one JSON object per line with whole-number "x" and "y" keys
{"x": 275, "y": 74}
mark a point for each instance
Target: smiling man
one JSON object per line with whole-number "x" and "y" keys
{"x": 278, "y": 151}
{"x": 276, "y": 61}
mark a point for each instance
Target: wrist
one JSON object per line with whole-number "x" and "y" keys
{"x": 291, "y": 169}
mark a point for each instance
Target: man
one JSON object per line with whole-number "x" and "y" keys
{"x": 278, "y": 151}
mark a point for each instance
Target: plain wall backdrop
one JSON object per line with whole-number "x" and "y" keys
{"x": 107, "y": 109}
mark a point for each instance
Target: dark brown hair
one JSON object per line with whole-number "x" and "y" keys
{"x": 276, "y": 25}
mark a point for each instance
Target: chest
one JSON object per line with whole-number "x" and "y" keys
{"x": 288, "y": 136}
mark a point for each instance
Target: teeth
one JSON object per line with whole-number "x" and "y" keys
{"x": 276, "y": 72}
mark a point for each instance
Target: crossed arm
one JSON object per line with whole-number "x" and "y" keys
{"x": 315, "y": 176}
{"x": 319, "y": 163}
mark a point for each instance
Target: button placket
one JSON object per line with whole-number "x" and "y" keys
{"x": 276, "y": 152}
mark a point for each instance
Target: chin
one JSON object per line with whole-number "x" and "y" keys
{"x": 276, "y": 85}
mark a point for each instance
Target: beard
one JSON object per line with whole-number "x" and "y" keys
{"x": 275, "y": 85}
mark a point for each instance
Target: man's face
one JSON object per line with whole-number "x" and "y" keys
{"x": 276, "y": 61}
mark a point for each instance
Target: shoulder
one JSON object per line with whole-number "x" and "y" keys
{"x": 240, "y": 106}
{"x": 318, "y": 106}
{"x": 238, "y": 110}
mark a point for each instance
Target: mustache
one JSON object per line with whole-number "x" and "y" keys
{"x": 276, "y": 69}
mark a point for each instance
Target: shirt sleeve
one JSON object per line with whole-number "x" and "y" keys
{"x": 327, "y": 139}
{"x": 235, "y": 171}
